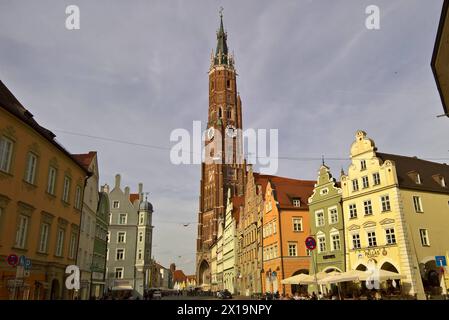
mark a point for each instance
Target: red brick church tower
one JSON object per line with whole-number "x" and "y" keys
{"x": 226, "y": 168}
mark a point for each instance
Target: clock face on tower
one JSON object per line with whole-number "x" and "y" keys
{"x": 210, "y": 133}
{"x": 231, "y": 131}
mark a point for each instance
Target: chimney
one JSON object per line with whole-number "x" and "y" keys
{"x": 117, "y": 181}
{"x": 105, "y": 188}
{"x": 127, "y": 192}
{"x": 140, "y": 191}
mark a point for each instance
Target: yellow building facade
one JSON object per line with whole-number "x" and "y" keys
{"x": 41, "y": 192}
{"x": 395, "y": 213}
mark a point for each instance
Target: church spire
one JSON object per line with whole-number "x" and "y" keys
{"x": 221, "y": 54}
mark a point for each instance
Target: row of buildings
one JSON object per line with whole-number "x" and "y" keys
{"x": 53, "y": 214}
{"x": 387, "y": 211}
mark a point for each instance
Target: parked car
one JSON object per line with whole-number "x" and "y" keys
{"x": 224, "y": 294}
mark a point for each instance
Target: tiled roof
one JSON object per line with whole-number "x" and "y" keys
{"x": 85, "y": 158}
{"x": 428, "y": 172}
{"x": 9, "y": 102}
{"x": 237, "y": 201}
{"x": 133, "y": 197}
{"x": 179, "y": 276}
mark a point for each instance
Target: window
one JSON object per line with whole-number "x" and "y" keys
{"x": 43, "y": 239}
{"x": 443, "y": 182}
{"x": 122, "y": 218}
{"x": 309, "y": 252}
{"x": 418, "y": 179}
{"x": 78, "y": 197}
{"x": 292, "y": 249}
{"x": 319, "y": 218}
{"x": 321, "y": 244}
{"x": 109, "y": 236}
{"x": 116, "y": 204}
{"x": 356, "y": 241}
{"x": 352, "y": 211}
{"x": 139, "y": 255}
{"x": 119, "y": 273}
{"x": 363, "y": 164}
{"x": 140, "y": 236}
{"x": 228, "y": 84}
{"x": 142, "y": 217}
{"x": 355, "y": 185}
{"x": 72, "y": 248}
{"x": 324, "y": 191}
{"x": 335, "y": 242}
{"x": 365, "y": 182}
{"x": 66, "y": 190}
{"x": 5, "y": 154}
{"x": 333, "y": 216}
{"x": 51, "y": 180}
{"x": 275, "y": 251}
{"x": 22, "y": 230}
{"x": 376, "y": 178}
{"x": 30, "y": 173}
{"x": 121, "y": 237}
{"x": 372, "y": 242}
{"x": 424, "y": 237}
{"x": 296, "y": 203}
{"x": 418, "y": 204}
{"x": 390, "y": 236}
{"x": 297, "y": 224}
{"x": 60, "y": 243}
{"x": 120, "y": 254}
{"x": 385, "y": 201}
{"x": 368, "y": 207}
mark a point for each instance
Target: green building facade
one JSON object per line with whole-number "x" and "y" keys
{"x": 326, "y": 221}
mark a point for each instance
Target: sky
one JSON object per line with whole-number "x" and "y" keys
{"x": 137, "y": 70}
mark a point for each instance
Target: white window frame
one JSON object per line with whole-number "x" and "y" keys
{"x": 390, "y": 234}
{"x": 333, "y": 247}
{"x": 120, "y": 220}
{"x": 124, "y": 236}
{"x": 355, "y": 185}
{"x": 321, "y": 243}
{"x": 43, "y": 238}
{"x": 294, "y": 246}
{"x": 295, "y": 224}
{"x": 122, "y": 272}
{"x": 72, "y": 246}
{"x": 31, "y": 168}
{"x": 363, "y": 165}
{"x": 420, "y": 208}
{"x": 66, "y": 189}
{"x": 319, "y": 213}
{"x": 372, "y": 238}
{"x": 117, "y": 252}
{"x": 296, "y": 203}
{"x": 60, "y": 242}
{"x": 332, "y": 213}
{"x": 355, "y": 238}
{"x": 78, "y": 198}
{"x": 6, "y": 150}
{"x": 51, "y": 182}
{"x": 385, "y": 203}
{"x": 22, "y": 232}
{"x": 424, "y": 235}
{"x": 365, "y": 182}
{"x": 376, "y": 178}
{"x": 352, "y": 207}
{"x": 368, "y": 204}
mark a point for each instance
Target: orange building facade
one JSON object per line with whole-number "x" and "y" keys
{"x": 41, "y": 192}
{"x": 286, "y": 225}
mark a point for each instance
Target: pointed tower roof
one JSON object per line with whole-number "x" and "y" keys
{"x": 221, "y": 54}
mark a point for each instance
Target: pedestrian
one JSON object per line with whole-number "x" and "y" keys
{"x": 314, "y": 297}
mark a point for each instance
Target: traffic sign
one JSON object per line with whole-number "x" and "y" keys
{"x": 440, "y": 261}
{"x": 28, "y": 264}
{"x": 13, "y": 260}
{"x": 310, "y": 243}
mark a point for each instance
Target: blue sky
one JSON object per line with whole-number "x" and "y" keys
{"x": 136, "y": 70}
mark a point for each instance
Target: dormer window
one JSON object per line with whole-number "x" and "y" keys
{"x": 440, "y": 180}
{"x": 363, "y": 164}
{"x": 418, "y": 179}
{"x": 296, "y": 202}
{"x": 443, "y": 182}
